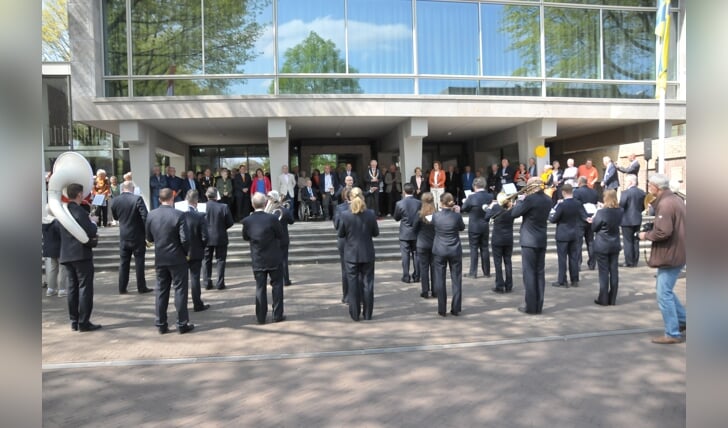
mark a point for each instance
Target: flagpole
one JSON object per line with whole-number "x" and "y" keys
{"x": 661, "y": 132}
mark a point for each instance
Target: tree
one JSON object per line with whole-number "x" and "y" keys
{"x": 316, "y": 55}
{"x": 54, "y": 31}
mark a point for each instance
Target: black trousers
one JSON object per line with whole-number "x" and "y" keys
{"x": 392, "y": 198}
{"x": 631, "y": 245}
{"x": 129, "y": 248}
{"x": 478, "y": 243}
{"x": 502, "y": 255}
{"x": 607, "y": 264}
{"x": 261, "y": 294}
{"x": 220, "y": 254}
{"x": 533, "y": 261}
{"x": 568, "y": 251}
{"x": 456, "y": 276}
{"x": 427, "y": 270}
{"x": 344, "y": 276}
{"x": 372, "y": 200}
{"x": 102, "y": 212}
{"x": 588, "y": 238}
{"x": 361, "y": 289}
{"x": 80, "y": 287}
{"x": 327, "y": 205}
{"x": 195, "y": 267}
{"x": 408, "y": 251}
{"x": 171, "y": 277}
{"x": 242, "y": 206}
{"x": 284, "y": 265}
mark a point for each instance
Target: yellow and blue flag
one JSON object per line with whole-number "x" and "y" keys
{"x": 662, "y": 31}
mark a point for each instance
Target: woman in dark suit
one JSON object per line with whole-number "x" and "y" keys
{"x": 358, "y": 226}
{"x": 605, "y": 224}
{"x": 425, "y": 238}
{"x": 419, "y": 182}
{"x": 447, "y": 250}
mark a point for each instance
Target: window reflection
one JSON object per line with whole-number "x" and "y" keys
{"x": 380, "y": 36}
{"x": 572, "y": 42}
{"x": 511, "y": 40}
{"x": 115, "y": 37}
{"x": 447, "y": 38}
{"x": 629, "y": 45}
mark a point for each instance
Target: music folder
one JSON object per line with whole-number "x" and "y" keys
{"x": 509, "y": 189}
{"x": 98, "y": 200}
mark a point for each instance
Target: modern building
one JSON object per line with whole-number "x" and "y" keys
{"x": 210, "y": 83}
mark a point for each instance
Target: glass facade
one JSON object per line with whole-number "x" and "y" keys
{"x": 590, "y": 48}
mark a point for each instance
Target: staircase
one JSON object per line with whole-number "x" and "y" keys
{"x": 312, "y": 242}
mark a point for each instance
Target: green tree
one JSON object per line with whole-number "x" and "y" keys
{"x": 316, "y": 55}
{"x": 54, "y": 31}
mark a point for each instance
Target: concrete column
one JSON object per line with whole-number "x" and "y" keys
{"x": 277, "y": 149}
{"x": 407, "y": 137}
{"x": 533, "y": 134}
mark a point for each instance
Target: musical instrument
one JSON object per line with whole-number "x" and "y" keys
{"x": 530, "y": 189}
{"x": 649, "y": 198}
{"x": 274, "y": 205}
{"x": 69, "y": 168}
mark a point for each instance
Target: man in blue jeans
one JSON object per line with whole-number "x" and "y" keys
{"x": 667, "y": 255}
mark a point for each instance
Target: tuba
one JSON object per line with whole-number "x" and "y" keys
{"x": 69, "y": 168}
{"x": 274, "y": 205}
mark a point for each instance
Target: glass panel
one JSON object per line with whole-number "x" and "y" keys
{"x": 447, "y": 38}
{"x": 116, "y": 88}
{"x": 99, "y": 159}
{"x": 182, "y": 87}
{"x": 643, "y": 3}
{"x": 572, "y": 43}
{"x": 115, "y": 59}
{"x": 629, "y": 45}
{"x": 238, "y": 36}
{"x": 57, "y": 110}
{"x": 387, "y": 86}
{"x": 166, "y": 37}
{"x": 511, "y": 40}
{"x": 380, "y": 36}
{"x": 88, "y": 137}
{"x": 311, "y": 36}
{"x": 321, "y": 160}
{"x": 600, "y": 90}
{"x": 510, "y": 88}
{"x": 448, "y": 87}
{"x": 319, "y": 86}
{"x": 122, "y": 165}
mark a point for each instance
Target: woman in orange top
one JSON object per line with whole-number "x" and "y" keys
{"x": 437, "y": 183}
{"x": 102, "y": 186}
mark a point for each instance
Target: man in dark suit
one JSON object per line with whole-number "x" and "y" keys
{"x": 241, "y": 193}
{"x": 586, "y": 195}
{"x": 570, "y": 218}
{"x": 190, "y": 183}
{"x": 373, "y": 183}
{"x": 328, "y": 183}
{"x": 131, "y": 213}
{"x": 166, "y": 228}
{"x": 478, "y": 229}
{"x": 632, "y": 201}
{"x": 175, "y": 183}
{"x": 534, "y": 209}
{"x": 77, "y": 257}
{"x": 405, "y": 212}
{"x": 348, "y": 183}
{"x": 632, "y": 168}
{"x": 264, "y": 232}
{"x": 311, "y": 198}
{"x": 611, "y": 179}
{"x": 506, "y": 172}
{"x": 219, "y": 219}
{"x": 206, "y": 182}
{"x": 197, "y": 237}
{"x": 452, "y": 182}
{"x": 340, "y": 209}
{"x": 157, "y": 182}
{"x": 349, "y": 172}
{"x": 532, "y": 168}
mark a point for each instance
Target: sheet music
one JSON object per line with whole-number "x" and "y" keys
{"x": 509, "y": 189}
{"x": 590, "y": 208}
{"x": 98, "y": 200}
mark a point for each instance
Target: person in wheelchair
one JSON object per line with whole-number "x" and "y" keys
{"x": 311, "y": 199}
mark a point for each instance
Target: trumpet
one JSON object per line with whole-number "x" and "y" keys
{"x": 274, "y": 205}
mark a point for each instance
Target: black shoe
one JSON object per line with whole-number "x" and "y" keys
{"x": 453, "y": 313}
{"x": 343, "y": 300}
{"x": 123, "y": 292}
{"x": 499, "y": 290}
{"x": 145, "y": 290}
{"x": 202, "y": 308}
{"x": 592, "y": 267}
{"x": 261, "y": 322}
{"x": 424, "y": 295}
{"x": 574, "y": 283}
{"x": 415, "y": 279}
{"x": 88, "y": 327}
{"x": 471, "y": 275}
{"x": 434, "y": 295}
{"x": 222, "y": 287}
{"x": 209, "y": 286}
{"x": 442, "y": 314}
{"x": 163, "y": 329}
{"x": 625, "y": 265}
{"x": 367, "y": 317}
{"x": 405, "y": 280}
{"x": 558, "y": 284}
{"x": 509, "y": 290}
{"x": 599, "y": 303}
{"x": 287, "y": 283}
{"x": 74, "y": 326}
{"x": 487, "y": 275}
{"x": 523, "y": 309}
{"x": 185, "y": 328}
{"x": 281, "y": 319}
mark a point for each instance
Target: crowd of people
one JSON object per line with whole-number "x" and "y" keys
{"x": 429, "y": 208}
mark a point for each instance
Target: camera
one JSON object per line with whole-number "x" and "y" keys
{"x": 645, "y": 228}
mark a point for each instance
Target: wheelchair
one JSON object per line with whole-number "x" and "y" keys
{"x": 305, "y": 212}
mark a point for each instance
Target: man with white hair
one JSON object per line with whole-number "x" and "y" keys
{"x": 131, "y": 212}
{"x": 571, "y": 173}
{"x": 632, "y": 201}
{"x": 668, "y": 255}
{"x": 610, "y": 180}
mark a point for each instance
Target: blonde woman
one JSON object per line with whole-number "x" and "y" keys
{"x": 448, "y": 251}
{"x": 605, "y": 225}
{"x": 425, "y": 238}
{"x": 358, "y": 226}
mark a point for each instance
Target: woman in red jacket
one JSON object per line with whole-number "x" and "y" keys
{"x": 261, "y": 183}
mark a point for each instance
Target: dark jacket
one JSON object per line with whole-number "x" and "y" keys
{"x": 166, "y": 228}
{"x": 52, "y": 239}
{"x": 632, "y": 201}
{"x": 305, "y": 196}
{"x": 72, "y": 250}
{"x": 186, "y": 186}
{"x": 502, "y": 235}
{"x": 535, "y": 210}
{"x": 425, "y": 233}
{"x": 585, "y": 195}
{"x": 448, "y": 225}
{"x": 196, "y": 234}
{"x": 265, "y": 233}
{"x": 358, "y": 229}
{"x": 452, "y": 183}
{"x": 405, "y": 212}
{"x": 668, "y": 233}
{"x": 219, "y": 220}
{"x": 424, "y": 186}
{"x": 509, "y": 174}
{"x": 322, "y": 182}
{"x": 570, "y": 217}
{"x": 605, "y": 225}
{"x": 611, "y": 179}
{"x": 175, "y": 183}
{"x": 131, "y": 212}
{"x": 342, "y": 177}
{"x": 157, "y": 183}
{"x": 474, "y": 206}
{"x": 286, "y": 218}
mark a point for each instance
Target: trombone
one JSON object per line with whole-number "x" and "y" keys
{"x": 506, "y": 201}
